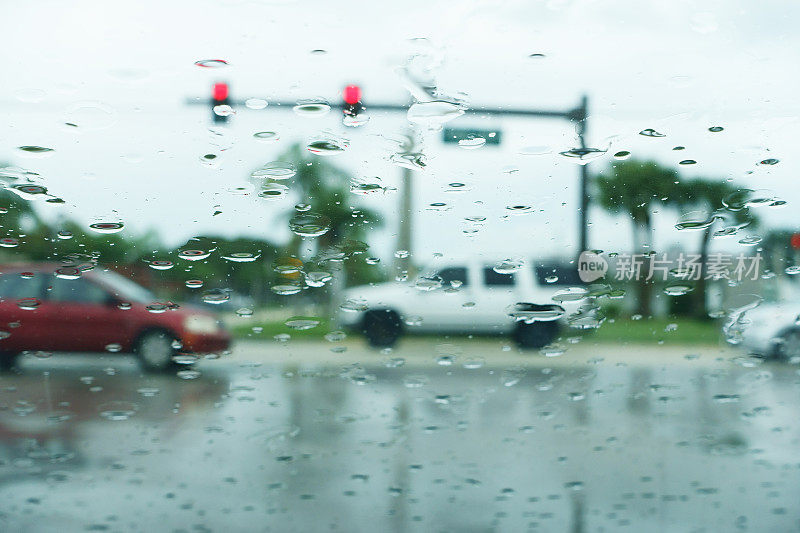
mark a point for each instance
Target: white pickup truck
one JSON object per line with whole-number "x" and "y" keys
{"x": 465, "y": 297}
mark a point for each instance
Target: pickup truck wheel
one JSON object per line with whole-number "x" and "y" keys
{"x": 789, "y": 345}
{"x": 155, "y": 350}
{"x": 382, "y": 328}
{"x": 8, "y": 361}
{"x": 535, "y": 334}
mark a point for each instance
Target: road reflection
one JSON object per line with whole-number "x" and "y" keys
{"x": 291, "y": 447}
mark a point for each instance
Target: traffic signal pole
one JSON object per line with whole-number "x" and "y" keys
{"x": 577, "y": 116}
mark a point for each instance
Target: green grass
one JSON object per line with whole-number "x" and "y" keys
{"x": 621, "y": 330}
{"x": 654, "y": 330}
{"x": 244, "y": 330}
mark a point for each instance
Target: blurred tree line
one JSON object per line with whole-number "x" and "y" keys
{"x": 342, "y": 250}
{"x": 719, "y": 208}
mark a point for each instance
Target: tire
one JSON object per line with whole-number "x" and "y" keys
{"x": 382, "y": 328}
{"x": 789, "y": 345}
{"x": 535, "y": 335}
{"x": 8, "y": 361}
{"x": 155, "y": 351}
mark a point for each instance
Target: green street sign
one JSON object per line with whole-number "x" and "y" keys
{"x": 470, "y": 138}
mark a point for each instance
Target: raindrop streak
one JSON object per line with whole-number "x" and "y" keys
{"x": 107, "y": 227}
{"x": 211, "y": 63}
{"x": 650, "y": 132}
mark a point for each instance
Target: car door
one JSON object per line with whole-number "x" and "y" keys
{"x": 81, "y": 316}
{"x": 442, "y": 309}
{"x": 493, "y": 296}
{"x": 22, "y": 322}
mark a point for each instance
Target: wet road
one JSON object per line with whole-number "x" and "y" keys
{"x": 299, "y": 438}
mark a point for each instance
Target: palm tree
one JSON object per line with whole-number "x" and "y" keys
{"x": 635, "y": 188}
{"x": 708, "y": 195}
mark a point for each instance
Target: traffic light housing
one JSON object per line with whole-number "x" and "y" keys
{"x": 352, "y": 101}
{"x": 220, "y": 97}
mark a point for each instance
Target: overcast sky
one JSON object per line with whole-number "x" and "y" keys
{"x": 671, "y": 66}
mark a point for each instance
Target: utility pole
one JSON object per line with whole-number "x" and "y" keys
{"x": 583, "y": 224}
{"x": 404, "y": 231}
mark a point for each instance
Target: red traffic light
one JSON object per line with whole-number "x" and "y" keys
{"x": 220, "y": 92}
{"x": 352, "y": 94}
{"x": 794, "y": 241}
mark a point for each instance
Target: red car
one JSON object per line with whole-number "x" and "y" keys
{"x": 49, "y": 307}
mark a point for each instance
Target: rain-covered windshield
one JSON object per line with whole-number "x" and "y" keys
{"x": 283, "y": 265}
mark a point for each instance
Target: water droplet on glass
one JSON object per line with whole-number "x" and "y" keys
{"x": 117, "y": 410}
{"x": 90, "y": 116}
{"x": 583, "y": 156}
{"x": 428, "y": 283}
{"x": 193, "y": 255}
{"x": 715, "y": 129}
{"x": 530, "y": 312}
{"x": 650, "y": 132}
{"x": 687, "y": 162}
{"x": 107, "y": 227}
{"x": 40, "y": 151}
{"x": 750, "y": 240}
{"x": 302, "y": 323}
{"x": 507, "y": 266}
{"x": 194, "y": 283}
{"x": 161, "y": 264}
{"x": 312, "y": 108}
{"x": 276, "y": 170}
{"x": 354, "y": 305}
{"x": 216, "y": 296}
{"x": 64, "y": 235}
{"x": 68, "y": 273}
{"x": 326, "y": 146}
{"x": 309, "y": 224}
{"x": 255, "y": 103}
{"x": 769, "y": 162}
{"x": 519, "y": 209}
{"x": 677, "y": 289}
{"x": 622, "y": 155}
{"x": 434, "y": 113}
{"x": 211, "y": 63}
{"x": 410, "y": 160}
{"x": 28, "y": 304}
{"x": 241, "y": 257}
{"x": 9, "y": 242}
{"x": 113, "y": 347}
{"x": 266, "y": 136}
{"x": 472, "y": 142}
{"x": 317, "y": 278}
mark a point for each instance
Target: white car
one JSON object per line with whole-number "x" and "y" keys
{"x": 469, "y": 296}
{"x": 772, "y": 330}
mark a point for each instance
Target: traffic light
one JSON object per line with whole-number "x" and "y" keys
{"x": 353, "y": 109}
{"x": 220, "y": 103}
